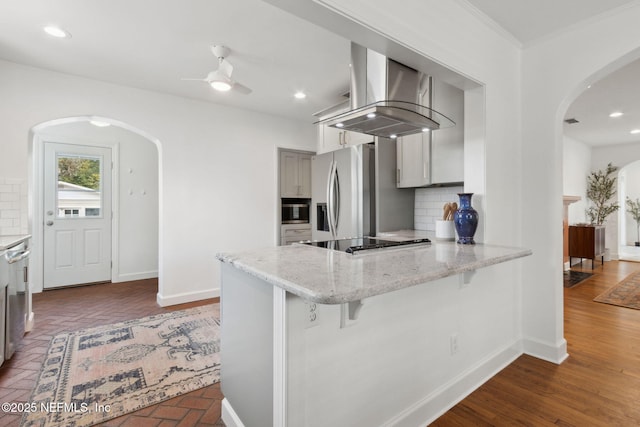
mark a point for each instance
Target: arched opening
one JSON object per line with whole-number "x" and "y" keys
{"x": 628, "y": 229}
{"x": 586, "y": 150}
{"x": 136, "y": 190}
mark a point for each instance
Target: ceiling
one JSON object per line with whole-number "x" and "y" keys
{"x": 152, "y": 44}
{"x": 530, "y": 21}
{"x": 619, "y": 91}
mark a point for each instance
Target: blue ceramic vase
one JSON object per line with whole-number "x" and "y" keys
{"x": 465, "y": 220}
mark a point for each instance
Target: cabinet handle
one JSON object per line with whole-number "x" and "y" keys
{"x": 340, "y": 138}
{"x": 424, "y": 169}
{"x": 398, "y": 176}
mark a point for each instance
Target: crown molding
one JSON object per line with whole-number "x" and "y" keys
{"x": 491, "y": 23}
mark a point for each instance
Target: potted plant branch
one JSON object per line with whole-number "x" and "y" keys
{"x": 601, "y": 187}
{"x": 633, "y": 207}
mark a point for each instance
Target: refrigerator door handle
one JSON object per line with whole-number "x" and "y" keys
{"x": 336, "y": 200}
{"x": 330, "y": 190}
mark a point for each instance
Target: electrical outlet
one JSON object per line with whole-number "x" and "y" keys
{"x": 311, "y": 314}
{"x": 453, "y": 342}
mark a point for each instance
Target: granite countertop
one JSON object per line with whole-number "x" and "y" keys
{"x": 9, "y": 241}
{"x": 332, "y": 277}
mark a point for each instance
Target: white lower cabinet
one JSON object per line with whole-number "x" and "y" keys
{"x": 4, "y": 281}
{"x": 293, "y": 233}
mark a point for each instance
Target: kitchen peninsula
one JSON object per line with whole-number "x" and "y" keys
{"x": 317, "y": 337}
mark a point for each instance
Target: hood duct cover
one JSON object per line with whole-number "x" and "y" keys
{"x": 384, "y": 99}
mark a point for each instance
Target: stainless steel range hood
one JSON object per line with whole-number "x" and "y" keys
{"x": 385, "y": 98}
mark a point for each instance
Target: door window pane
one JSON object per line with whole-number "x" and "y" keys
{"x": 79, "y": 186}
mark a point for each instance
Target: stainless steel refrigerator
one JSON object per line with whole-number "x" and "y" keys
{"x": 354, "y": 192}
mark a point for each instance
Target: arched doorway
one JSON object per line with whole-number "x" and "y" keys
{"x": 628, "y": 229}
{"x": 136, "y": 189}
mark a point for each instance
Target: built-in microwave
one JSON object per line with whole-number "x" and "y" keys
{"x": 295, "y": 211}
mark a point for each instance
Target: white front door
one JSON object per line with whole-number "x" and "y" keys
{"x": 77, "y": 214}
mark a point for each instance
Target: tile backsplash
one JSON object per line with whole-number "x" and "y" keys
{"x": 13, "y": 206}
{"x": 429, "y": 203}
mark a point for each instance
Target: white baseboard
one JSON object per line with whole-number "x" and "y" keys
{"x": 31, "y": 319}
{"x": 444, "y": 398}
{"x": 164, "y": 301}
{"x": 229, "y": 416}
{"x": 545, "y": 351}
{"x": 128, "y": 277}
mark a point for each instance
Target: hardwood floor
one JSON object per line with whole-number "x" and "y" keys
{"x": 598, "y": 385}
{"x": 70, "y": 309}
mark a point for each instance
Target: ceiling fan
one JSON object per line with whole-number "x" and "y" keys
{"x": 220, "y": 79}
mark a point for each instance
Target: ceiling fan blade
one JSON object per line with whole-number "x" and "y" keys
{"x": 241, "y": 88}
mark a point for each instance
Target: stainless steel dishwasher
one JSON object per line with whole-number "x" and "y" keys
{"x": 17, "y": 258}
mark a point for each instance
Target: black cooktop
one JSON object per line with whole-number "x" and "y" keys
{"x": 353, "y": 246}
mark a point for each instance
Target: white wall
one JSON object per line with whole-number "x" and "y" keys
{"x": 555, "y": 72}
{"x": 137, "y": 195}
{"x": 576, "y": 166}
{"x": 217, "y": 165}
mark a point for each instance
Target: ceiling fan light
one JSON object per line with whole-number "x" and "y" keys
{"x": 220, "y": 85}
{"x": 219, "y": 81}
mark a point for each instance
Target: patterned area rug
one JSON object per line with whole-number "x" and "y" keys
{"x": 572, "y": 278}
{"x": 96, "y": 374}
{"x": 624, "y": 294}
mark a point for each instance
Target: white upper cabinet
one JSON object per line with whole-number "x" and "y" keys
{"x": 331, "y": 138}
{"x": 435, "y": 157}
{"x": 295, "y": 174}
{"x": 413, "y": 161}
{"x": 447, "y": 145}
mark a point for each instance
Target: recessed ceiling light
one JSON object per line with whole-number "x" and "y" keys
{"x": 425, "y": 129}
{"x": 635, "y": 131}
{"x": 56, "y": 32}
{"x": 371, "y": 115}
{"x": 339, "y": 125}
{"x": 99, "y": 123}
{"x": 393, "y": 136}
{"x": 616, "y": 114}
{"x": 300, "y": 95}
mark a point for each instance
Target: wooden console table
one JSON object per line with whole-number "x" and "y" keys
{"x": 586, "y": 242}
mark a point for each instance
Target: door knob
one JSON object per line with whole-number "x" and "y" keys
{"x": 49, "y": 223}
